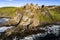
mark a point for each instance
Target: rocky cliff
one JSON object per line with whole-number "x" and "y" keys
{"x": 29, "y": 18}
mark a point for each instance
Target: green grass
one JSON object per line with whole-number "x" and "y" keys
{"x": 55, "y": 14}
{"x": 9, "y": 11}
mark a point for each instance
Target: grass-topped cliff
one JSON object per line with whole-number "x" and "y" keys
{"x": 46, "y": 14}
{"x": 30, "y": 17}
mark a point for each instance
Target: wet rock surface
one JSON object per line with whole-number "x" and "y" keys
{"x": 47, "y": 33}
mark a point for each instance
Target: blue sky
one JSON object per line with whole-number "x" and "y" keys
{"x": 23, "y": 2}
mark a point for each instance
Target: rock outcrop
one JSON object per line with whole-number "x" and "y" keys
{"x": 29, "y": 19}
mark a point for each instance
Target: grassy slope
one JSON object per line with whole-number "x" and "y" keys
{"x": 55, "y": 13}
{"x": 7, "y": 11}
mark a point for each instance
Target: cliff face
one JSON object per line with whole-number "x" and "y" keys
{"x": 32, "y": 15}
{"x": 29, "y": 18}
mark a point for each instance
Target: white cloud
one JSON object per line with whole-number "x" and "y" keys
{"x": 9, "y": 0}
